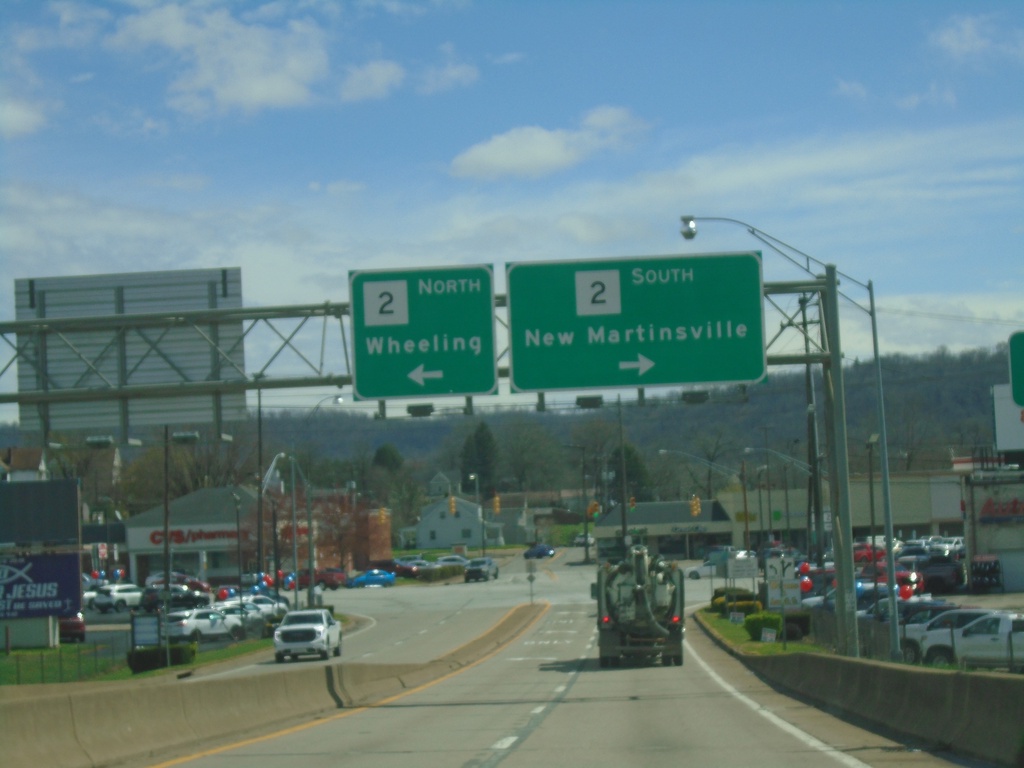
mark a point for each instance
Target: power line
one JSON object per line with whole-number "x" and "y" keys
{"x": 958, "y": 318}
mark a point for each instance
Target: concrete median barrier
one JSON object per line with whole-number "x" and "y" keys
{"x": 976, "y": 714}
{"x": 91, "y": 725}
{"x": 38, "y": 732}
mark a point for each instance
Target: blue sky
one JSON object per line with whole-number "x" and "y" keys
{"x": 301, "y": 140}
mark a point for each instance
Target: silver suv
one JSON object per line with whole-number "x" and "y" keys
{"x": 482, "y": 569}
{"x": 312, "y": 631}
{"x": 117, "y": 597}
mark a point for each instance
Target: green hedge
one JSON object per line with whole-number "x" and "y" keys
{"x": 733, "y": 593}
{"x": 746, "y": 607}
{"x": 146, "y": 658}
{"x": 755, "y": 622}
{"x": 442, "y": 573}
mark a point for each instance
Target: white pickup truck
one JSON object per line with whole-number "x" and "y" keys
{"x": 936, "y": 631}
{"x": 995, "y": 641}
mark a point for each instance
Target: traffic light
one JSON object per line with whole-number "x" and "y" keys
{"x": 497, "y": 504}
{"x": 451, "y": 503}
{"x": 593, "y": 510}
{"x": 695, "y": 506}
{"x": 632, "y": 503}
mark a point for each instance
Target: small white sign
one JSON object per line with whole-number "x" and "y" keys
{"x": 767, "y": 635}
{"x": 741, "y": 568}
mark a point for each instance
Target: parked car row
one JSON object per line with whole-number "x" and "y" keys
{"x": 970, "y": 637}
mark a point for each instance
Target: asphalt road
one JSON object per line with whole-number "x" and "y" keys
{"x": 542, "y": 700}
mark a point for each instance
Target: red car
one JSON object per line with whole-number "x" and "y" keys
{"x": 411, "y": 569}
{"x": 904, "y": 576}
{"x": 325, "y": 578}
{"x": 865, "y": 553}
{"x": 72, "y": 628}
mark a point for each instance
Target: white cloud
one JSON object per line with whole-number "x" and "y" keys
{"x": 78, "y": 24}
{"x": 975, "y": 37}
{"x": 19, "y": 117}
{"x": 225, "y": 64}
{"x": 851, "y": 90}
{"x": 337, "y": 188}
{"x": 374, "y": 80}
{"x": 934, "y": 96}
{"x": 507, "y": 58}
{"x": 448, "y": 75}
{"x": 964, "y": 36}
{"x": 534, "y": 152}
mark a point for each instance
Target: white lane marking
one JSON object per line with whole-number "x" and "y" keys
{"x": 505, "y": 743}
{"x": 538, "y": 710}
{"x": 778, "y": 722}
{"x": 559, "y": 689}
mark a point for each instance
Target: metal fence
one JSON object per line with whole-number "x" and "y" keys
{"x": 67, "y": 663}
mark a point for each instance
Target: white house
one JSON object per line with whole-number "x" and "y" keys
{"x": 442, "y": 528}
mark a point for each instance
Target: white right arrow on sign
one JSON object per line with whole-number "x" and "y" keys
{"x": 642, "y": 364}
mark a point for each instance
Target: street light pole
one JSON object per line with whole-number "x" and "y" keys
{"x": 480, "y": 509}
{"x": 872, "y": 442}
{"x": 836, "y": 411}
{"x": 178, "y": 437}
{"x": 583, "y": 499}
{"x": 167, "y": 543}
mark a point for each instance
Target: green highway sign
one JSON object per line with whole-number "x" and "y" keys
{"x": 1017, "y": 367}
{"x": 659, "y": 320}
{"x": 423, "y": 332}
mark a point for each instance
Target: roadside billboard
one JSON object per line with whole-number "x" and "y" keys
{"x": 35, "y": 586}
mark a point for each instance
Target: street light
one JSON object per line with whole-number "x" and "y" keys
{"x": 839, "y": 458}
{"x": 583, "y": 499}
{"x": 760, "y": 508}
{"x": 480, "y": 508}
{"x": 719, "y": 468}
{"x": 871, "y": 443}
{"x": 723, "y": 470}
{"x": 180, "y": 438}
{"x": 332, "y": 399}
{"x": 787, "y": 461}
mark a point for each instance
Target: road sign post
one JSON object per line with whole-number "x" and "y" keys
{"x": 636, "y": 322}
{"x": 423, "y": 332}
{"x": 1017, "y": 367}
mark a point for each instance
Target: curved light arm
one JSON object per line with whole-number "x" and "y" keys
{"x": 709, "y": 464}
{"x": 689, "y": 231}
{"x": 788, "y": 459}
{"x": 270, "y": 472}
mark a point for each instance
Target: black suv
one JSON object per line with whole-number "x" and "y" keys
{"x": 180, "y": 597}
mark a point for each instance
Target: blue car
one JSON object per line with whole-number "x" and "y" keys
{"x": 538, "y": 551}
{"x": 372, "y": 578}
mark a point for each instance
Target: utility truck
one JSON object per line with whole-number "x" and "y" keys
{"x": 640, "y": 604}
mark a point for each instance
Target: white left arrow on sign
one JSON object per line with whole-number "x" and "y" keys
{"x": 642, "y": 364}
{"x": 419, "y": 375}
